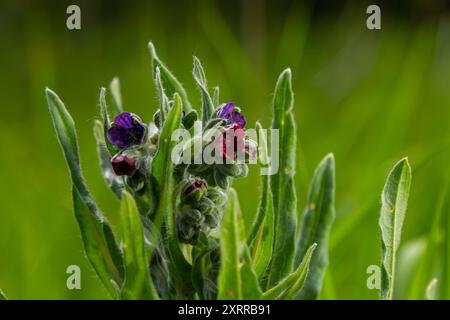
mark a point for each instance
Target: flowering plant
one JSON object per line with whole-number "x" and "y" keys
{"x": 182, "y": 233}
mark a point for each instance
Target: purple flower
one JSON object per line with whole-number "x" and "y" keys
{"x": 126, "y": 130}
{"x": 231, "y": 113}
{"x": 124, "y": 165}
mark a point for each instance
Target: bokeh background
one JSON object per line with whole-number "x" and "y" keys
{"x": 370, "y": 96}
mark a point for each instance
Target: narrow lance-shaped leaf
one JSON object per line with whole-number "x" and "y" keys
{"x": 98, "y": 238}
{"x": 162, "y": 171}
{"x": 316, "y": 223}
{"x": 138, "y": 284}
{"x": 237, "y": 279}
{"x": 394, "y": 201}
{"x": 216, "y": 96}
{"x": 114, "y": 86}
{"x": 170, "y": 83}
{"x": 282, "y": 182}
{"x": 260, "y": 240}
{"x": 200, "y": 79}
{"x": 290, "y": 286}
{"x": 161, "y": 96}
{"x": 105, "y": 121}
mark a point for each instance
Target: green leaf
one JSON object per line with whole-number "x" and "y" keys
{"x": 203, "y": 266}
{"x": 114, "y": 182}
{"x": 431, "y": 291}
{"x": 291, "y": 285}
{"x": 200, "y": 79}
{"x": 2, "y": 295}
{"x": 216, "y": 96}
{"x": 237, "y": 279}
{"x": 162, "y": 172}
{"x": 114, "y": 86}
{"x": 163, "y": 109}
{"x": 316, "y": 223}
{"x": 98, "y": 238}
{"x": 138, "y": 284}
{"x": 394, "y": 201}
{"x": 170, "y": 83}
{"x": 260, "y": 240}
{"x": 105, "y": 121}
{"x": 282, "y": 182}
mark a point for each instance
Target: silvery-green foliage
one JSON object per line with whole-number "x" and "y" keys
{"x": 316, "y": 223}
{"x": 394, "y": 201}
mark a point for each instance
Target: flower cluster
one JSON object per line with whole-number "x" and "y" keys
{"x": 202, "y": 187}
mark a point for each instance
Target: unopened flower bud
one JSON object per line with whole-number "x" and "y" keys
{"x": 194, "y": 191}
{"x": 124, "y": 165}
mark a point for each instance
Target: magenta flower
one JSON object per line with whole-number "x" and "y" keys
{"x": 126, "y": 130}
{"x": 232, "y": 114}
{"x": 231, "y": 142}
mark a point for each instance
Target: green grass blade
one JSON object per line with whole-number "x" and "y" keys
{"x": 316, "y": 223}
{"x": 138, "y": 284}
{"x": 3, "y": 295}
{"x": 114, "y": 182}
{"x": 290, "y": 286}
{"x": 170, "y": 83}
{"x": 394, "y": 201}
{"x": 282, "y": 183}
{"x": 237, "y": 279}
{"x": 114, "y": 87}
{"x": 445, "y": 282}
{"x": 431, "y": 291}
{"x": 98, "y": 237}
{"x": 260, "y": 240}
{"x": 200, "y": 79}
{"x": 424, "y": 270}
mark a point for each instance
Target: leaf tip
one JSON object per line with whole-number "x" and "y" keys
{"x": 151, "y": 48}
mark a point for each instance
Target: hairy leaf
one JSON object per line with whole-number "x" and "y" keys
{"x": 237, "y": 279}
{"x": 394, "y": 201}
{"x": 138, "y": 284}
{"x": 170, "y": 83}
{"x": 163, "y": 173}
{"x": 260, "y": 240}
{"x": 200, "y": 79}
{"x": 282, "y": 182}
{"x": 98, "y": 238}
{"x": 290, "y": 286}
{"x": 316, "y": 223}
{"x": 114, "y": 87}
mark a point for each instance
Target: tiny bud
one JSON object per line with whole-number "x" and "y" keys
{"x": 124, "y": 165}
{"x": 194, "y": 190}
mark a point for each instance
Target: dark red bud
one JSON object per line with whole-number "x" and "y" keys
{"x": 124, "y": 165}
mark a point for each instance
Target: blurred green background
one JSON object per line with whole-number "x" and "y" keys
{"x": 371, "y": 97}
